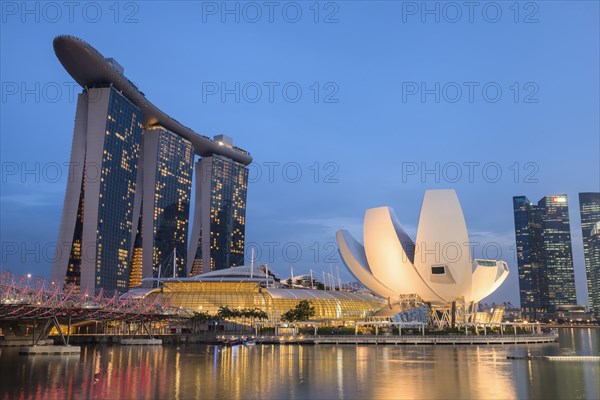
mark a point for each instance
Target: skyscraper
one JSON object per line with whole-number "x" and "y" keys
{"x": 218, "y": 235}
{"x": 126, "y": 210}
{"x": 97, "y": 219}
{"x": 526, "y": 233}
{"x": 544, "y": 254}
{"x": 163, "y": 205}
{"x": 589, "y": 207}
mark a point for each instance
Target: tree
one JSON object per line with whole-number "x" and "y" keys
{"x": 260, "y": 314}
{"x": 201, "y": 318}
{"x": 302, "y": 312}
{"x": 224, "y": 312}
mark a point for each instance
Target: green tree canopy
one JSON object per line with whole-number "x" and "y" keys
{"x": 201, "y": 317}
{"x": 302, "y": 312}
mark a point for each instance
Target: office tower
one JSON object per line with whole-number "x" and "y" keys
{"x": 218, "y": 233}
{"x": 589, "y": 207}
{"x": 544, "y": 255}
{"x": 97, "y": 218}
{"x": 527, "y": 232}
{"x": 127, "y": 201}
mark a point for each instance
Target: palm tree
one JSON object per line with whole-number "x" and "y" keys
{"x": 224, "y": 312}
{"x": 260, "y": 314}
{"x": 201, "y": 318}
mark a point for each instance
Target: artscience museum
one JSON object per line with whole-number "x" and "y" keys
{"x": 436, "y": 268}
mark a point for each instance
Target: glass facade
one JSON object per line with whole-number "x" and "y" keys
{"x": 210, "y": 296}
{"x": 544, "y": 254}
{"x": 167, "y": 182}
{"x": 227, "y": 183}
{"x": 528, "y": 279}
{"x": 172, "y": 190}
{"x": 118, "y": 176}
{"x": 589, "y": 207}
{"x": 556, "y": 233}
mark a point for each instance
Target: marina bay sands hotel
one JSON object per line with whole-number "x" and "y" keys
{"x": 127, "y": 202}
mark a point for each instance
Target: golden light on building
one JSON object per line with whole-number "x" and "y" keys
{"x": 242, "y": 288}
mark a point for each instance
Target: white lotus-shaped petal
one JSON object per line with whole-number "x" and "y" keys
{"x": 390, "y": 252}
{"x": 443, "y": 244}
{"x": 438, "y": 268}
{"x": 488, "y": 275}
{"x": 356, "y": 261}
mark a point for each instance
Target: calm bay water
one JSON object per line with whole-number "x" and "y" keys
{"x": 313, "y": 372}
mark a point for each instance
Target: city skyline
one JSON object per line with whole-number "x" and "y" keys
{"x": 368, "y": 120}
{"x": 300, "y": 199}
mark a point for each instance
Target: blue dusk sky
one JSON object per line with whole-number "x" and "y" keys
{"x": 343, "y": 105}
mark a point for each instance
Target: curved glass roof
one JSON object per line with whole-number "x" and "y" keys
{"x": 308, "y": 294}
{"x": 228, "y": 274}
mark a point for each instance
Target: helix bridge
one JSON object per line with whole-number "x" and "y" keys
{"x": 43, "y": 305}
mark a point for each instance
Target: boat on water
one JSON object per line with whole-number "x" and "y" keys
{"x": 234, "y": 341}
{"x": 229, "y": 341}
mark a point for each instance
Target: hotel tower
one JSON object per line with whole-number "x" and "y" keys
{"x": 127, "y": 201}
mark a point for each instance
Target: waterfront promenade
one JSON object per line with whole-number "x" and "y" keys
{"x": 333, "y": 339}
{"x": 411, "y": 339}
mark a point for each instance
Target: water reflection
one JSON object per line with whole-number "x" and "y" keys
{"x": 382, "y": 372}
